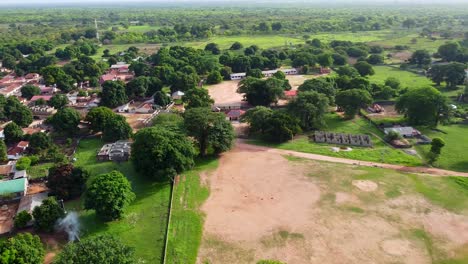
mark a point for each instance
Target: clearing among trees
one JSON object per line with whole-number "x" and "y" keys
{"x": 263, "y": 205}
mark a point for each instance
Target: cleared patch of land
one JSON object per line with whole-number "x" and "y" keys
{"x": 407, "y": 79}
{"x": 266, "y": 206}
{"x": 225, "y": 92}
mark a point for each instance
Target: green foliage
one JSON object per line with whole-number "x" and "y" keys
{"x": 364, "y": 68}
{"x": 261, "y": 92}
{"x": 268, "y": 261}
{"x": 113, "y": 94}
{"x": 22, "y": 248}
{"x": 22, "y": 219}
{"x": 98, "y": 117}
{"x": 209, "y": 129}
{"x": 23, "y": 163}
{"x": 103, "y": 249}
{"x": 161, "y": 99}
{"x": 319, "y": 85}
{"x": 3, "y": 151}
{"x": 161, "y": 154}
{"x": 197, "y": 97}
{"x": 39, "y": 142}
{"x": 309, "y": 108}
{"x": 170, "y": 121}
{"x": 392, "y": 135}
{"x": 66, "y": 182}
{"x": 116, "y": 128}
{"x": 214, "y": 77}
{"x": 236, "y": 46}
{"x": 421, "y": 58}
{"x": 108, "y": 194}
{"x": 17, "y": 112}
{"x": 47, "y": 214}
{"x": 352, "y": 100}
{"x": 436, "y": 145}
{"x": 413, "y": 101}
{"x": 28, "y": 91}
{"x": 66, "y": 120}
{"x": 58, "y": 101}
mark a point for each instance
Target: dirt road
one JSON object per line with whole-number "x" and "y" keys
{"x": 417, "y": 170}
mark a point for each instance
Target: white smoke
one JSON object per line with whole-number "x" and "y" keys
{"x": 71, "y": 225}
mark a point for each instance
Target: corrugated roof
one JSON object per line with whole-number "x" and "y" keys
{"x": 12, "y": 186}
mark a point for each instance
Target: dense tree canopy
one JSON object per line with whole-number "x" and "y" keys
{"x": 66, "y": 120}
{"x": 28, "y": 91}
{"x": 197, "y": 97}
{"x": 319, "y": 85}
{"x": 364, "y": 68}
{"x": 13, "y": 133}
{"x": 161, "y": 154}
{"x": 108, "y": 194}
{"x": 58, "y": 101}
{"x": 113, "y": 94}
{"x": 422, "y": 106}
{"x": 309, "y": 108}
{"x": 47, "y": 214}
{"x": 261, "y": 92}
{"x": 352, "y": 100}
{"x": 22, "y": 248}
{"x": 66, "y": 182}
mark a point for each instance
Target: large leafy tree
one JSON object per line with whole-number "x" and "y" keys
{"x": 449, "y": 51}
{"x": 209, "y": 129}
{"x": 17, "y": 112}
{"x": 161, "y": 99}
{"x": 22, "y": 248}
{"x": 113, "y": 94}
{"x": 66, "y": 120}
{"x": 47, "y": 214}
{"x": 281, "y": 127}
{"x": 258, "y": 118}
{"x": 422, "y": 106}
{"x": 13, "y": 133}
{"x": 320, "y": 85}
{"x": 39, "y": 142}
{"x": 420, "y": 58}
{"x": 58, "y": 101}
{"x": 197, "y": 97}
{"x": 28, "y": 91}
{"x": 137, "y": 87}
{"x": 364, "y": 68}
{"x": 66, "y": 182}
{"x": 3, "y": 151}
{"x": 161, "y": 154}
{"x": 98, "y": 116}
{"x": 108, "y": 194}
{"x": 454, "y": 74}
{"x": 352, "y": 100}
{"x": 116, "y": 128}
{"x": 309, "y": 108}
{"x": 261, "y": 92}
{"x": 98, "y": 249}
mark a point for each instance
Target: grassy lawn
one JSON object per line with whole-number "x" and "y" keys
{"x": 144, "y": 224}
{"x": 39, "y": 170}
{"x": 407, "y": 79}
{"x": 453, "y": 154}
{"x": 381, "y": 152}
{"x": 421, "y": 43}
{"x": 186, "y": 227}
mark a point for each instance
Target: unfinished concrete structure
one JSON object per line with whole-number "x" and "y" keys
{"x": 342, "y": 139}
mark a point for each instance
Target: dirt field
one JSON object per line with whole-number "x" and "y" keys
{"x": 263, "y": 205}
{"x": 7, "y": 212}
{"x": 135, "y": 120}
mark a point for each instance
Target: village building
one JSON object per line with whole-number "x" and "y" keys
{"x": 42, "y": 111}
{"x": 118, "y": 151}
{"x": 290, "y": 94}
{"x": 234, "y": 115}
{"x": 7, "y": 170}
{"x": 17, "y": 151}
{"x": 407, "y": 132}
{"x": 269, "y": 73}
{"x": 13, "y": 189}
{"x": 177, "y": 95}
{"x": 40, "y": 97}
{"x": 29, "y": 202}
{"x": 13, "y": 89}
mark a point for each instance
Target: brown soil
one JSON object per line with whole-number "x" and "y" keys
{"x": 225, "y": 92}
{"x": 7, "y": 212}
{"x": 365, "y": 186}
{"x": 39, "y": 187}
{"x": 262, "y": 206}
{"x": 135, "y": 120}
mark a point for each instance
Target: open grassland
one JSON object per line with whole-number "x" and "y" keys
{"x": 407, "y": 79}
{"x": 421, "y": 42}
{"x": 380, "y": 152}
{"x": 186, "y": 226}
{"x": 453, "y": 155}
{"x": 39, "y": 170}
{"x": 266, "y": 206}
{"x": 144, "y": 224}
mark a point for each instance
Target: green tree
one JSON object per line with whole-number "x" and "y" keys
{"x": 137, "y": 88}
{"x": 197, "y": 97}
{"x": 209, "y": 129}
{"x": 319, "y": 85}
{"x": 66, "y": 182}
{"x": 422, "y": 106}
{"x": 352, "y": 100}
{"x": 420, "y": 58}
{"x": 98, "y": 117}
{"x": 22, "y": 219}
{"x": 281, "y": 127}
{"x": 23, "y": 163}
{"x": 116, "y": 128}
{"x": 39, "y": 142}
{"x": 310, "y": 108}
{"x": 3, "y": 151}
{"x": 393, "y": 82}
{"x": 22, "y": 248}
{"x": 161, "y": 154}
{"x": 261, "y": 92}
{"x": 66, "y": 120}
{"x": 236, "y": 46}
{"x": 161, "y": 99}
{"x": 364, "y": 68}
{"x": 375, "y": 59}
{"x": 454, "y": 74}
{"x": 213, "y": 48}
{"x": 409, "y": 23}
{"x": 17, "y": 112}
{"x": 437, "y": 73}
{"x": 58, "y": 101}
{"x": 113, "y": 94}
{"x": 347, "y": 71}
{"x": 28, "y": 91}
{"x": 97, "y": 249}
{"x": 214, "y": 77}
{"x": 325, "y": 59}
{"x": 449, "y": 51}
{"x": 47, "y": 214}
{"x": 13, "y": 133}
{"x": 436, "y": 145}
{"x": 108, "y": 194}
{"x": 257, "y": 118}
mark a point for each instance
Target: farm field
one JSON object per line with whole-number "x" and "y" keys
{"x": 407, "y": 79}
{"x": 381, "y": 152}
{"x": 453, "y": 155}
{"x": 302, "y": 211}
{"x": 144, "y": 224}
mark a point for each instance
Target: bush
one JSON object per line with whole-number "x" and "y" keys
{"x": 392, "y": 135}
{"x": 22, "y": 219}
{"x": 23, "y": 163}
{"x": 34, "y": 159}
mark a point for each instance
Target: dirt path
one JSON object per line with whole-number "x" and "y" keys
{"x": 418, "y": 170}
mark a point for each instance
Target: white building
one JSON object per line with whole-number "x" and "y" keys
{"x": 269, "y": 73}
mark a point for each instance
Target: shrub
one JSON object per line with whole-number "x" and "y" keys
{"x": 392, "y": 135}
{"x": 22, "y": 219}
{"x": 23, "y": 163}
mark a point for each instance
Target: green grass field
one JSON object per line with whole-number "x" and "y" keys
{"x": 144, "y": 224}
{"x": 380, "y": 152}
{"x": 39, "y": 170}
{"x": 421, "y": 43}
{"x": 407, "y": 79}
{"x": 453, "y": 154}
{"x": 186, "y": 226}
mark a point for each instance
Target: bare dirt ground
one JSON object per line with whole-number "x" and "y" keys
{"x": 135, "y": 120}
{"x": 263, "y": 205}
{"x": 225, "y": 92}
{"x": 7, "y": 212}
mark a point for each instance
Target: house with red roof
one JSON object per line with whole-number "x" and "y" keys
{"x": 17, "y": 151}
{"x": 290, "y": 94}
{"x": 234, "y": 115}
{"x": 43, "y": 97}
